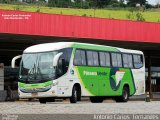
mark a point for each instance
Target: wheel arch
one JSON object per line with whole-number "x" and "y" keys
{"x": 127, "y": 85}
{"x": 78, "y": 86}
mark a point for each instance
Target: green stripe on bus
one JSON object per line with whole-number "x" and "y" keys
{"x": 36, "y": 85}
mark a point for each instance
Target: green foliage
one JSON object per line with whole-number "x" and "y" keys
{"x": 148, "y": 6}
{"x": 84, "y": 15}
{"x": 8, "y": 1}
{"x": 116, "y": 13}
{"x": 139, "y": 17}
{"x": 51, "y": 3}
{"x": 18, "y": 7}
{"x": 85, "y": 3}
{"x": 38, "y": 9}
{"x": 130, "y": 16}
{"x": 134, "y": 15}
{"x": 59, "y": 3}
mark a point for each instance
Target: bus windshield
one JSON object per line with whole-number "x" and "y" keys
{"x": 37, "y": 67}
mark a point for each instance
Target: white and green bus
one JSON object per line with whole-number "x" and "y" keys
{"x": 73, "y": 70}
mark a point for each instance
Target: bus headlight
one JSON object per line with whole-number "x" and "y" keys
{"x": 56, "y": 83}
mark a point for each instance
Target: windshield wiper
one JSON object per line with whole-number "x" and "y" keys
{"x": 31, "y": 73}
{"x": 39, "y": 73}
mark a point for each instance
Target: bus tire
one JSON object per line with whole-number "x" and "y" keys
{"x": 96, "y": 99}
{"x": 79, "y": 93}
{"x": 125, "y": 95}
{"x": 74, "y": 97}
{"x": 42, "y": 100}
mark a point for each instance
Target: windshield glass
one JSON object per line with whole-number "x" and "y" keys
{"x": 45, "y": 65}
{"x": 37, "y": 67}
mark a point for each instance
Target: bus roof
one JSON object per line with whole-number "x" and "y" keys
{"x": 48, "y": 47}
{"x": 60, "y": 45}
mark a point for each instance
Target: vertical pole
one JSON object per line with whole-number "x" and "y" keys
{"x": 149, "y": 76}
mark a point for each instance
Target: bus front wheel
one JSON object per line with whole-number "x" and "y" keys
{"x": 74, "y": 97}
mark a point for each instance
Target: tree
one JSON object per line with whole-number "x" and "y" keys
{"x": 98, "y": 3}
{"x": 103, "y": 3}
{"x": 59, "y": 3}
{"x": 133, "y": 3}
{"x": 122, "y": 3}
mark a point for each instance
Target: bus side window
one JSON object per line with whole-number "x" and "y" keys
{"x": 104, "y": 59}
{"x": 138, "y": 61}
{"x": 68, "y": 52}
{"x": 108, "y": 61}
{"x": 130, "y": 61}
{"x": 90, "y": 58}
{"x": 77, "y": 57}
{"x": 116, "y": 59}
{"x": 95, "y": 59}
{"x": 80, "y": 58}
{"x": 127, "y": 61}
{"x": 66, "y": 56}
{"x": 83, "y": 57}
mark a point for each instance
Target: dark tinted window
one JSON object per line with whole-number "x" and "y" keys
{"x": 67, "y": 52}
{"x": 116, "y": 60}
{"x": 104, "y": 59}
{"x": 95, "y": 59}
{"x": 80, "y": 57}
{"x": 92, "y": 58}
{"x": 127, "y": 60}
{"x": 130, "y": 61}
{"x": 66, "y": 55}
{"x": 77, "y": 58}
{"x": 138, "y": 61}
{"x": 83, "y": 57}
{"x": 108, "y": 61}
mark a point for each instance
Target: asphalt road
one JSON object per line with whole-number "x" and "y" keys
{"x": 83, "y": 107}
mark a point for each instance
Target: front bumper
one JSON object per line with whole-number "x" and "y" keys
{"x": 50, "y": 93}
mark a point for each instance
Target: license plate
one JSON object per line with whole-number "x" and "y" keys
{"x": 34, "y": 94}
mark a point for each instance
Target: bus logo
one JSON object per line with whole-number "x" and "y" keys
{"x": 116, "y": 76}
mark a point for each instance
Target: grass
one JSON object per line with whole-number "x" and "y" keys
{"x": 148, "y": 15}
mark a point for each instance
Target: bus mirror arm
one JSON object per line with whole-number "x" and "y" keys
{"x": 56, "y": 58}
{"x": 14, "y": 60}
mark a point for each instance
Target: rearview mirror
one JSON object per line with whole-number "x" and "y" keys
{"x": 13, "y": 63}
{"x": 55, "y": 59}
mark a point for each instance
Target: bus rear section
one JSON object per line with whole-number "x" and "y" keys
{"x": 108, "y": 72}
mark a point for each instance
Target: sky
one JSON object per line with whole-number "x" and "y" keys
{"x": 153, "y": 1}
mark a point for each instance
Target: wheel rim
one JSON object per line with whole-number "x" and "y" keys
{"x": 125, "y": 95}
